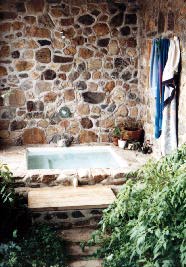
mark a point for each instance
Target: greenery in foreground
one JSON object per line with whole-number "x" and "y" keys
{"x": 146, "y": 226}
{"x": 39, "y": 247}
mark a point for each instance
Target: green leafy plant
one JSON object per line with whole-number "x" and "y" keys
{"x": 7, "y": 194}
{"x": 117, "y": 132}
{"x": 41, "y": 248}
{"x": 146, "y": 225}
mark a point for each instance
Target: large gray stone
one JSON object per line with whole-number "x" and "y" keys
{"x": 93, "y": 97}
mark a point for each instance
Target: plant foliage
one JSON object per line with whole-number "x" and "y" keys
{"x": 7, "y": 194}
{"x": 41, "y": 248}
{"x": 146, "y": 226}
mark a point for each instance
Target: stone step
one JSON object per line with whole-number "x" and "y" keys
{"x": 85, "y": 263}
{"x": 77, "y": 235}
{"x": 74, "y": 250}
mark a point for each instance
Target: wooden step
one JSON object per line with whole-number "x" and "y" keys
{"x": 86, "y": 263}
{"x": 62, "y": 198}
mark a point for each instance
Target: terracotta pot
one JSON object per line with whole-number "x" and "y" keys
{"x": 115, "y": 140}
{"x": 133, "y": 135}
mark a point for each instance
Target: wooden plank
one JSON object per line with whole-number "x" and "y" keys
{"x": 70, "y": 198}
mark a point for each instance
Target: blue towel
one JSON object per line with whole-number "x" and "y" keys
{"x": 159, "y": 54}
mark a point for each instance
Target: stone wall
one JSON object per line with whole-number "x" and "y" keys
{"x": 161, "y": 18}
{"x": 67, "y": 67}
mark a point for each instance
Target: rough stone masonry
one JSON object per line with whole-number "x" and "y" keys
{"x": 67, "y": 67}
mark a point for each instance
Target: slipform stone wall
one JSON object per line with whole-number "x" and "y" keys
{"x": 161, "y": 19}
{"x": 68, "y": 67}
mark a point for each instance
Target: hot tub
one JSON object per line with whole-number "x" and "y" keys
{"x": 73, "y": 158}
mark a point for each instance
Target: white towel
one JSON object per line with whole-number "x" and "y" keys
{"x": 169, "y": 131}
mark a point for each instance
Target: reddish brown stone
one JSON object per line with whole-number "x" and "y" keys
{"x": 60, "y": 59}
{"x": 34, "y": 136}
{"x": 69, "y": 33}
{"x": 85, "y": 53}
{"x": 50, "y": 97}
{"x": 67, "y": 22}
{"x": 4, "y": 134}
{"x": 16, "y": 98}
{"x": 87, "y": 137}
{"x": 32, "y": 44}
{"x": 86, "y": 123}
{"x": 69, "y": 95}
{"x": 22, "y": 65}
{"x": 49, "y": 74}
{"x": 70, "y": 50}
{"x": 4, "y": 51}
{"x": 75, "y": 10}
{"x": 19, "y": 44}
{"x": 43, "y": 55}
{"x": 4, "y": 124}
{"x": 17, "y": 125}
{"x": 62, "y": 76}
{"x": 46, "y": 21}
{"x": 57, "y": 43}
{"x": 38, "y": 32}
{"x": 3, "y": 71}
{"x": 109, "y": 86}
{"x": 17, "y": 25}
{"x": 35, "y": 6}
{"x": 5, "y": 27}
{"x": 95, "y": 64}
{"x": 107, "y": 123}
{"x": 35, "y": 106}
{"x": 79, "y": 40}
{"x": 56, "y": 12}
{"x": 30, "y": 19}
{"x": 101, "y": 29}
{"x": 93, "y": 97}
{"x": 74, "y": 75}
{"x": 64, "y": 124}
{"x": 96, "y": 75}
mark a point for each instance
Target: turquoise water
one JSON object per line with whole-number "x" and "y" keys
{"x": 72, "y": 160}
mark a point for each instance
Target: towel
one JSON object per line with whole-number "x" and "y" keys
{"x": 169, "y": 123}
{"x": 159, "y": 54}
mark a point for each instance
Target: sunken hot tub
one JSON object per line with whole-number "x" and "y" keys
{"x": 85, "y": 157}
{"x": 36, "y": 166}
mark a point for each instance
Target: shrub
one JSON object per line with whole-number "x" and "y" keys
{"x": 146, "y": 226}
{"x": 41, "y": 248}
{"x": 7, "y": 194}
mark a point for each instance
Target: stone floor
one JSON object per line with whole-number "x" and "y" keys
{"x": 15, "y": 157}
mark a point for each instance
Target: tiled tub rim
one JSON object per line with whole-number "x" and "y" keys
{"x": 65, "y": 177}
{"x": 83, "y": 175}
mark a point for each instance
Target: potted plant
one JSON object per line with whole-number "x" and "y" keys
{"x": 132, "y": 134}
{"x": 116, "y": 135}
{"x": 117, "y": 138}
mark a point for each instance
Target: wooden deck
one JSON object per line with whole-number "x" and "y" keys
{"x": 70, "y": 198}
